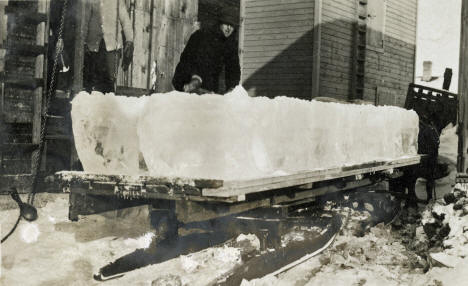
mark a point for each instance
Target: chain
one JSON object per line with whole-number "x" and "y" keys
{"x": 50, "y": 90}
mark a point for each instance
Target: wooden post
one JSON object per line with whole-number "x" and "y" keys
{"x": 462, "y": 85}
{"x": 78, "y": 59}
{"x": 78, "y": 63}
{"x": 39, "y": 72}
{"x": 150, "y": 48}
{"x": 241, "y": 37}
{"x": 316, "y": 48}
{"x": 447, "y": 79}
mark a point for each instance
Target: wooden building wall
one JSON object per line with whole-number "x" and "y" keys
{"x": 336, "y": 52}
{"x": 278, "y": 43}
{"x": 173, "y": 23}
{"x": 390, "y": 70}
{"x": 277, "y": 47}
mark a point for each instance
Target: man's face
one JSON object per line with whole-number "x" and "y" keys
{"x": 227, "y": 29}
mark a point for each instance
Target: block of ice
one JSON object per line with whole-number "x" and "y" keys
{"x": 234, "y": 136}
{"x": 104, "y": 129}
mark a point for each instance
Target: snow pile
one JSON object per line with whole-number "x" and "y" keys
{"x": 234, "y": 136}
{"x": 448, "y": 146}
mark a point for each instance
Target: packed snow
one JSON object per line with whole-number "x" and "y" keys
{"x": 233, "y": 136}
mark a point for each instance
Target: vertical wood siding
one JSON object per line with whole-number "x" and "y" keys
{"x": 337, "y": 48}
{"x": 277, "y": 47}
{"x": 388, "y": 73}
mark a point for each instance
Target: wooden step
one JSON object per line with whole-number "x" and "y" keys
{"x": 19, "y": 147}
{"x": 62, "y": 94}
{"x": 15, "y": 48}
{"x": 26, "y": 82}
{"x": 26, "y": 15}
{"x": 58, "y": 137}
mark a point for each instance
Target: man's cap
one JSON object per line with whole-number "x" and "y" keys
{"x": 226, "y": 15}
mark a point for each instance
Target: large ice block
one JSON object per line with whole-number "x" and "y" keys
{"x": 235, "y": 136}
{"x": 105, "y": 132}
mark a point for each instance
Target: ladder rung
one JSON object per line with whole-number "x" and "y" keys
{"x": 19, "y": 147}
{"x": 57, "y": 137}
{"x": 23, "y": 49}
{"x": 23, "y": 15}
{"x": 26, "y": 82}
{"x": 55, "y": 116}
{"x": 62, "y": 94}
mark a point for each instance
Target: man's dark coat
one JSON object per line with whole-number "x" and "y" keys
{"x": 205, "y": 54}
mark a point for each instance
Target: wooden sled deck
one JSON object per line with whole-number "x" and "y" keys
{"x": 230, "y": 191}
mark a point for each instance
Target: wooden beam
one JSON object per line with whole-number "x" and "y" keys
{"x": 150, "y": 48}
{"x": 320, "y": 191}
{"x": 78, "y": 59}
{"x": 316, "y": 48}
{"x": 78, "y": 63}
{"x": 243, "y": 187}
{"x": 190, "y": 211}
{"x": 462, "y": 86}
{"x": 39, "y": 72}
{"x": 241, "y": 37}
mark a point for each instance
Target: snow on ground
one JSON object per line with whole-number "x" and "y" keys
{"x": 56, "y": 251}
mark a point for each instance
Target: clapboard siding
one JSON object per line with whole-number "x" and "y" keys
{"x": 277, "y": 47}
{"x": 336, "y": 49}
{"x": 389, "y": 72}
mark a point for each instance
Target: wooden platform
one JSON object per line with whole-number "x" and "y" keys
{"x": 146, "y": 187}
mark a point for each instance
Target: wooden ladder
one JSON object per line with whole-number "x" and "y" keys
{"x": 359, "y": 49}
{"x": 22, "y": 88}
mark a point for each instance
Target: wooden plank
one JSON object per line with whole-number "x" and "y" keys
{"x": 280, "y": 13}
{"x": 320, "y": 191}
{"x": 79, "y": 47}
{"x": 237, "y": 188}
{"x": 76, "y": 176}
{"x": 267, "y": 3}
{"x": 317, "y": 42}
{"x": 279, "y": 19}
{"x": 86, "y": 204}
{"x": 189, "y": 211}
{"x": 140, "y": 55}
{"x": 39, "y": 72}
{"x": 462, "y": 90}
{"x": 242, "y": 38}
{"x": 284, "y": 6}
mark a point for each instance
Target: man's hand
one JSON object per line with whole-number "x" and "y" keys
{"x": 193, "y": 85}
{"x": 127, "y": 55}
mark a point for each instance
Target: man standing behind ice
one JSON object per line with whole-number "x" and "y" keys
{"x": 104, "y": 21}
{"x": 204, "y": 56}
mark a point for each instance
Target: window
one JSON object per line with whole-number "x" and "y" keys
{"x": 376, "y": 23}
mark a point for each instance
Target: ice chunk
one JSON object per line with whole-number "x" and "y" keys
{"x": 104, "y": 129}
{"x": 234, "y": 136}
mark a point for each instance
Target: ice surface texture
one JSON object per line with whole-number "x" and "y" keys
{"x": 234, "y": 136}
